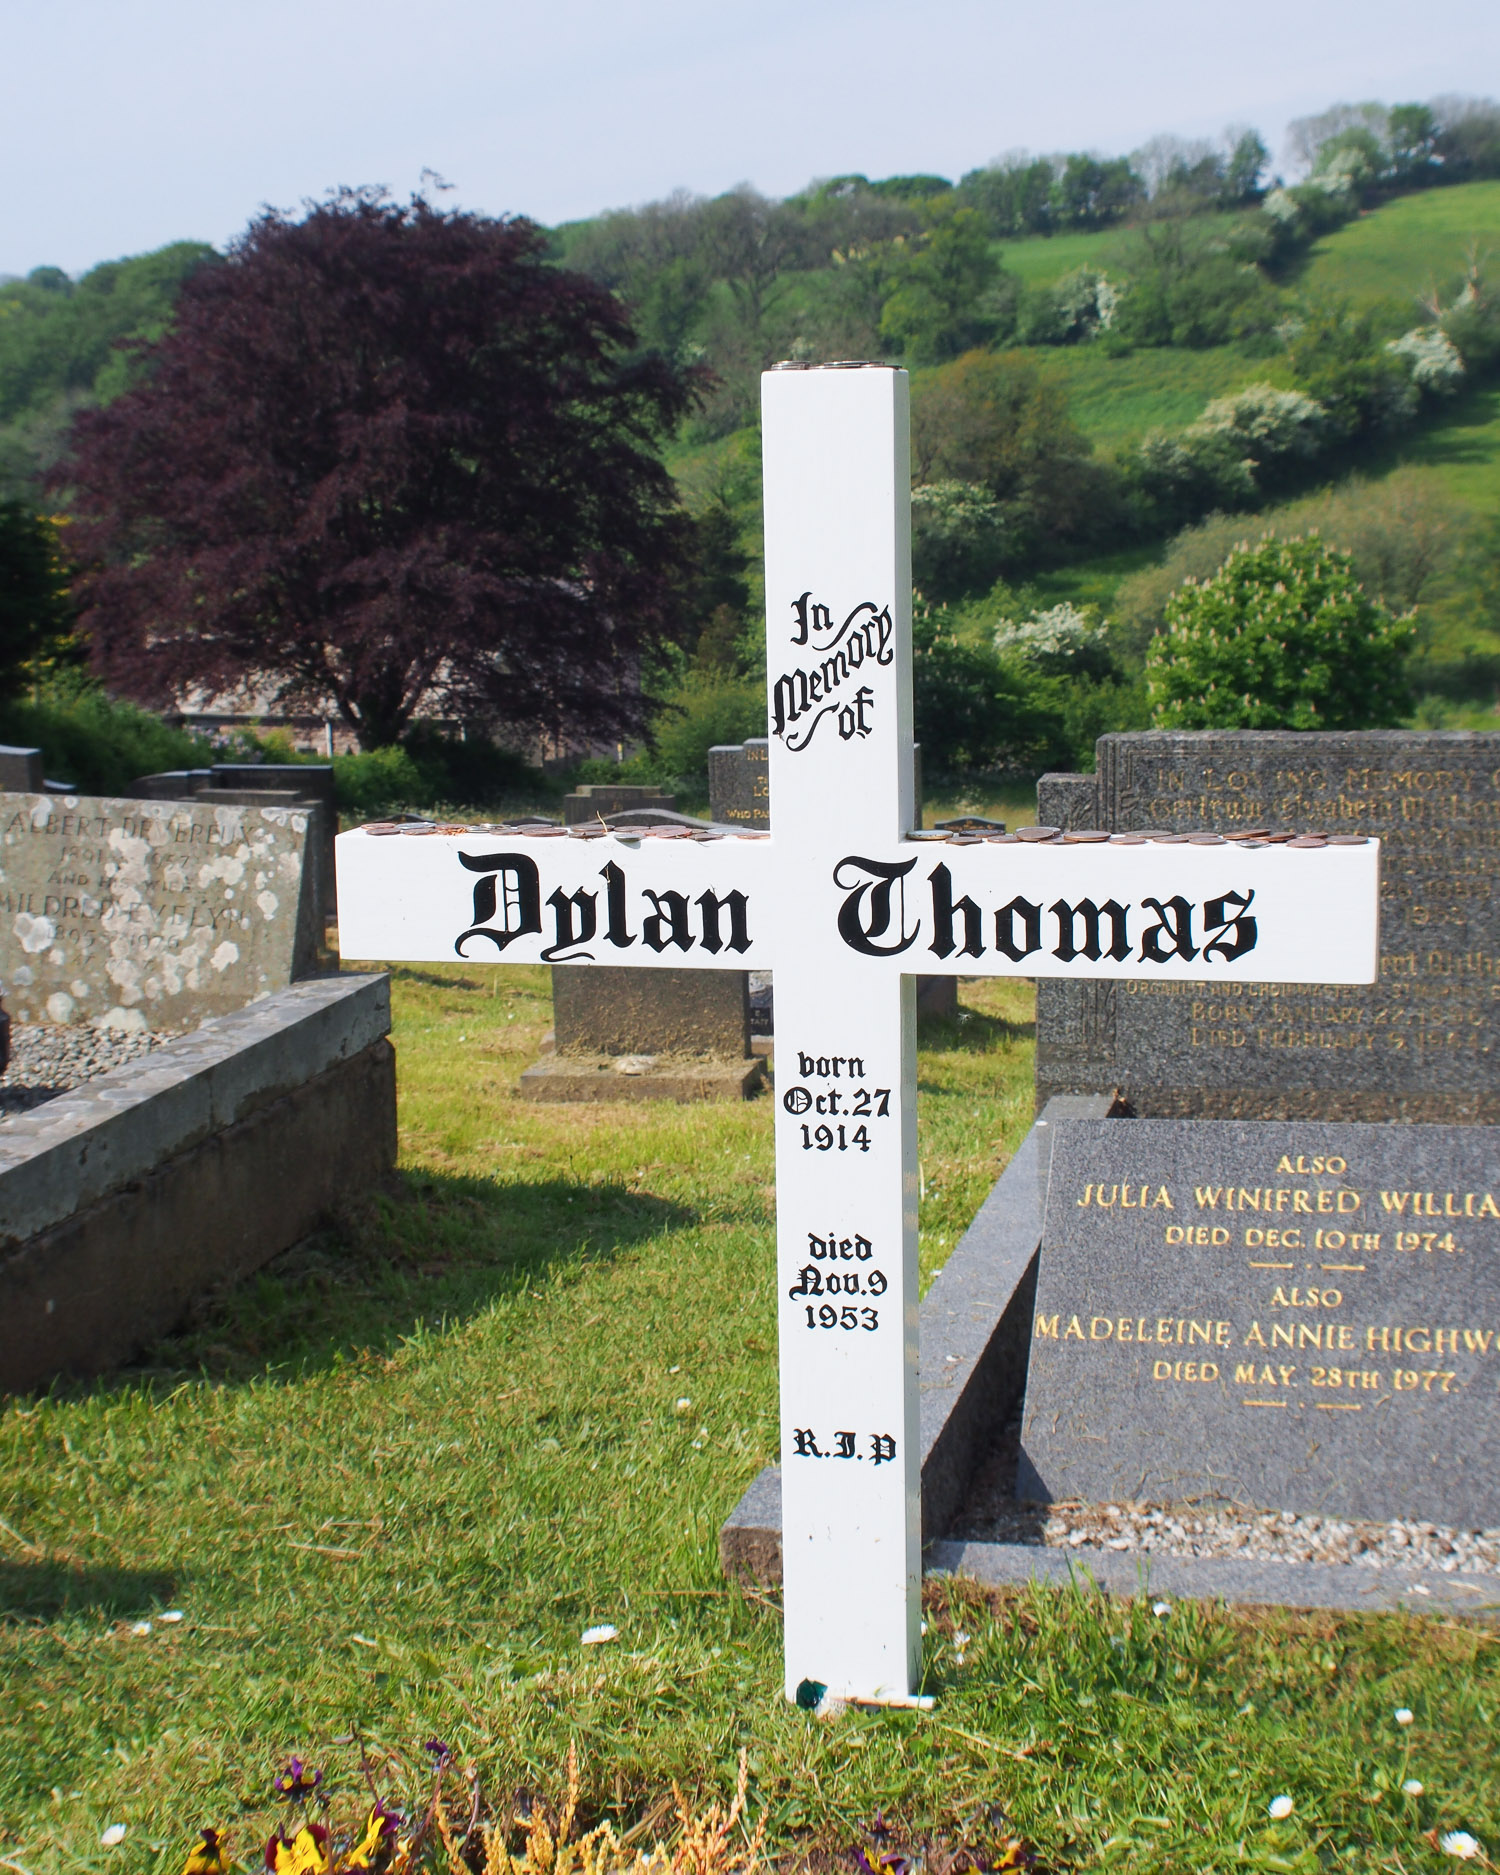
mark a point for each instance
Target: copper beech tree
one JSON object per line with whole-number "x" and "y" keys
{"x": 387, "y": 458}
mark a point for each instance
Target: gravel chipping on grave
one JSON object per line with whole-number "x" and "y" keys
{"x": 46, "y": 1061}
{"x": 1263, "y": 1536}
{"x": 993, "y": 1515}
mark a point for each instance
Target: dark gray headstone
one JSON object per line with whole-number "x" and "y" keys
{"x": 739, "y": 784}
{"x": 595, "y": 800}
{"x": 1067, "y": 801}
{"x": 1293, "y": 1316}
{"x": 308, "y": 780}
{"x": 607, "y": 1011}
{"x": 1421, "y": 1044}
{"x": 20, "y": 770}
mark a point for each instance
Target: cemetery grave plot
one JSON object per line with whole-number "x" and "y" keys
{"x": 500, "y": 1454}
{"x": 126, "y": 922}
{"x": 844, "y": 901}
{"x": 177, "y": 1108}
{"x": 47, "y": 1060}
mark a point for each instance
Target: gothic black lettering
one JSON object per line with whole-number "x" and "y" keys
{"x": 1174, "y": 921}
{"x": 617, "y": 929}
{"x": 565, "y": 905}
{"x": 866, "y": 635}
{"x": 1031, "y": 928}
{"x": 711, "y": 904}
{"x": 1068, "y": 917}
{"x": 1221, "y": 924}
{"x": 509, "y": 885}
{"x": 668, "y": 924}
{"x": 865, "y": 915}
{"x": 944, "y": 908}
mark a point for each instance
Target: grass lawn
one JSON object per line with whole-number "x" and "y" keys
{"x": 390, "y": 1481}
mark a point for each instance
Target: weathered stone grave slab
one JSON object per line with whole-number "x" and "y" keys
{"x": 308, "y": 785}
{"x": 623, "y": 1034}
{"x": 150, "y": 914}
{"x": 1299, "y": 1317}
{"x": 1421, "y": 1044}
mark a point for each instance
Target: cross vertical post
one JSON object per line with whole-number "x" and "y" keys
{"x": 838, "y": 601}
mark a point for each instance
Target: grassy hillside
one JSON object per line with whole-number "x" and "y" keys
{"x": 1406, "y": 246}
{"x": 1115, "y": 400}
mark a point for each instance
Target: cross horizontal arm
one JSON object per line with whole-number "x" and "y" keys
{"x": 1158, "y": 909}
{"x": 1256, "y": 913}
{"x": 529, "y": 898}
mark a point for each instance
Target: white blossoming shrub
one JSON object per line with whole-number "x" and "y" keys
{"x": 1263, "y": 422}
{"x": 1063, "y": 637}
{"x": 958, "y": 538}
{"x": 1087, "y": 302}
{"x": 1432, "y": 358}
{"x": 1281, "y": 206}
{"x": 1347, "y": 172}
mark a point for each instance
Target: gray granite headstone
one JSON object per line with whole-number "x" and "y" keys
{"x": 739, "y": 784}
{"x": 600, "y": 1010}
{"x": 1421, "y": 1044}
{"x": 1291, "y": 1316}
{"x": 150, "y": 914}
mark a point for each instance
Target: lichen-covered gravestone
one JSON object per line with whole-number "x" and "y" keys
{"x": 150, "y": 914}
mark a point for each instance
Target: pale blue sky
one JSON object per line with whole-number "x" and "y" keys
{"x": 128, "y": 123}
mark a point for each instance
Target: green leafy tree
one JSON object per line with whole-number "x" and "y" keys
{"x": 1283, "y": 636}
{"x": 1412, "y": 133}
{"x": 60, "y": 349}
{"x": 34, "y": 610}
{"x": 996, "y": 421}
{"x": 974, "y": 711}
{"x": 942, "y": 283}
{"x": 1243, "y": 169}
{"x": 1339, "y": 358}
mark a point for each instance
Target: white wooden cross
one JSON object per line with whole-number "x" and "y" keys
{"x": 847, "y": 908}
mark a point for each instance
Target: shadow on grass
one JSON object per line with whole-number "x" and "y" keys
{"x": 44, "y": 1590}
{"x": 423, "y": 1258}
{"x": 971, "y": 1033}
{"x": 406, "y": 974}
{"x": 1455, "y": 435}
